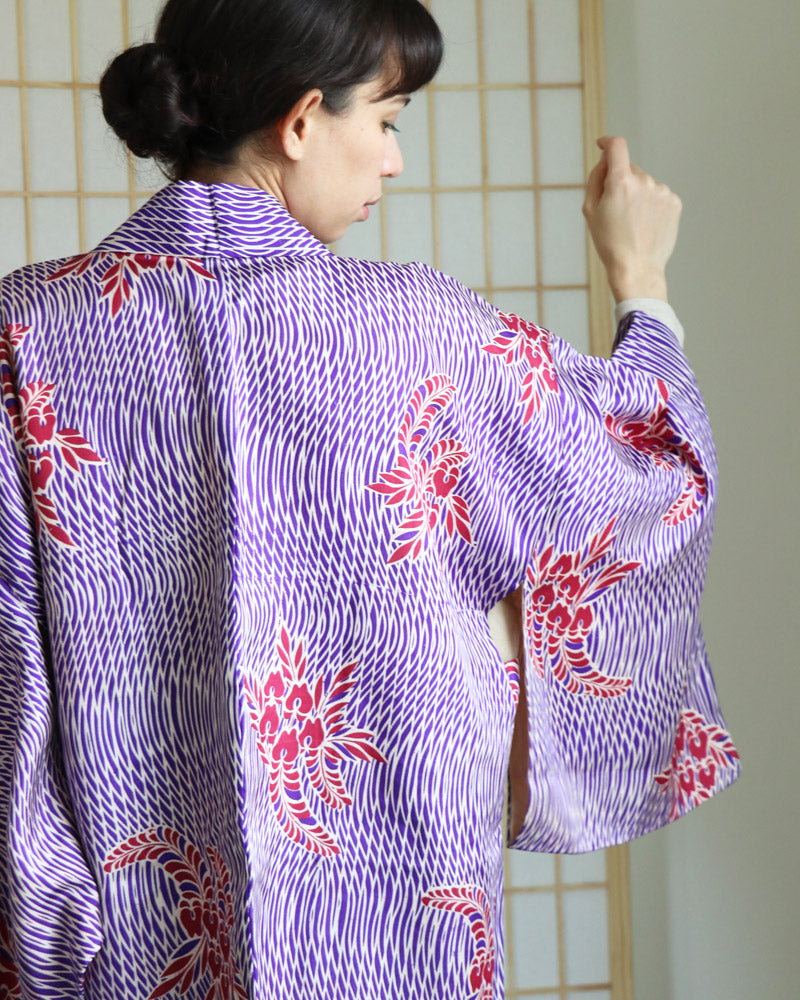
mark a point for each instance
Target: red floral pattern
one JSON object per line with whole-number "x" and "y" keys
{"x": 702, "y": 752}
{"x": 523, "y": 341}
{"x": 10, "y": 985}
{"x": 559, "y": 613}
{"x": 300, "y": 731}
{"x": 11, "y": 338}
{"x": 34, "y": 422}
{"x": 424, "y": 477}
{"x": 470, "y": 902}
{"x": 512, "y": 672}
{"x": 205, "y": 911}
{"x": 654, "y": 437}
{"x": 118, "y": 278}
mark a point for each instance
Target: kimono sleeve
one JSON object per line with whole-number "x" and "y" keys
{"x": 49, "y": 906}
{"x": 625, "y": 730}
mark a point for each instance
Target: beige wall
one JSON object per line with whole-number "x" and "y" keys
{"x": 708, "y": 93}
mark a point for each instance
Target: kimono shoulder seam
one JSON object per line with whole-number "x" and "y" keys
{"x": 431, "y": 599}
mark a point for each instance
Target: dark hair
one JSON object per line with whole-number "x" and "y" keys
{"x": 220, "y": 70}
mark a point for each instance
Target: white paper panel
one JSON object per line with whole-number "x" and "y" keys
{"x": 47, "y": 40}
{"x": 102, "y": 216}
{"x": 9, "y": 64}
{"x": 586, "y": 933}
{"x": 458, "y": 137}
{"x": 560, "y": 136}
{"x": 363, "y": 239}
{"x": 513, "y": 238}
{"x": 142, "y": 17}
{"x": 11, "y": 158}
{"x": 505, "y": 41}
{"x": 51, "y": 127}
{"x": 525, "y": 304}
{"x": 534, "y": 939}
{"x": 458, "y": 24}
{"x": 526, "y": 867}
{"x": 589, "y": 867}
{"x": 566, "y": 313}
{"x": 55, "y": 227}
{"x": 461, "y": 250}
{"x": 104, "y": 161}
{"x": 589, "y": 995}
{"x": 409, "y": 228}
{"x": 564, "y": 238}
{"x": 557, "y": 41}
{"x": 99, "y": 36}
{"x": 414, "y": 144}
{"x": 12, "y": 226}
{"x": 508, "y": 115}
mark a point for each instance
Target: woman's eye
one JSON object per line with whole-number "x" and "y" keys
{"x": 389, "y": 127}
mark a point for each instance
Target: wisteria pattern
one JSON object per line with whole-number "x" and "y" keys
{"x": 10, "y": 986}
{"x": 512, "y": 672}
{"x": 301, "y": 731}
{"x": 118, "y": 273}
{"x": 205, "y": 914}
{"x": 702, "y": 750}
{"x": 654, "y": 437}
{"x": 528, "y": 344}
{"x": 559, "y": 613}
{"x": 254, "y": 517}
{"x": 34, "y": 421}
{"x": 425, "y": 475}
{"x": 470, "y": 903}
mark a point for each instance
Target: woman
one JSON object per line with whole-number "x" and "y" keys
{"x": 260, "y": 500}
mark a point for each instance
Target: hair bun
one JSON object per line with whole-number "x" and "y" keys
{"x": 145, "y": 101}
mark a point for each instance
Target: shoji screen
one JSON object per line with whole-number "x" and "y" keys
{"x": 64, "y": 181}
{"x": 496, "y": 153}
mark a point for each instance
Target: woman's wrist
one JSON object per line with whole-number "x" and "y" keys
{"x": 629, "y": 285}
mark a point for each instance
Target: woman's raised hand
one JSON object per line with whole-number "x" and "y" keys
{"x": 633, "y": 220}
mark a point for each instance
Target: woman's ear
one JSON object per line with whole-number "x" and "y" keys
{"x": 294, "y": 129}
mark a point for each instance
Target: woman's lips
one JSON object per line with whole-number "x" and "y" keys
{"x": 367, "y": 206}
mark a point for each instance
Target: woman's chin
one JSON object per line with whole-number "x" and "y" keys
{"x": 332, "y": 232}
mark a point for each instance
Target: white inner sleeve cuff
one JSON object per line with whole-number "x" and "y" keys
{"x": 657, "y": 308}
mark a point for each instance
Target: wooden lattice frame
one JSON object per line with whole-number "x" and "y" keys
{"x": 592, "y": 84}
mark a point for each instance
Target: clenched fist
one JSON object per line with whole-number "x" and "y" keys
{"x": 633, "y": 220}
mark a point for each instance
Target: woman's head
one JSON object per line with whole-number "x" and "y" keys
{"x": 221, "y": 71}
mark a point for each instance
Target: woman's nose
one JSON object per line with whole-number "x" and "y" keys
{"x": 393, "y": 159}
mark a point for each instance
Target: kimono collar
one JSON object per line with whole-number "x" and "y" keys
{"x": 190, "y": 219}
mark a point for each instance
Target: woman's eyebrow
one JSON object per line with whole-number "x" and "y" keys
{"x": 405, "y": 98}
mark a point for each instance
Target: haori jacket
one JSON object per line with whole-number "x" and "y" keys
{"x": 257, "y": 502}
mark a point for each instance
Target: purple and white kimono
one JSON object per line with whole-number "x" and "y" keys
{"x": 257, "y": 502}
